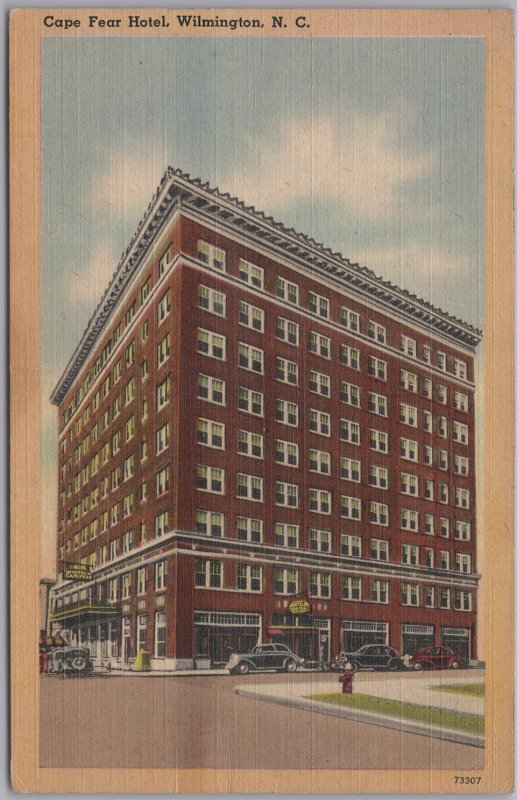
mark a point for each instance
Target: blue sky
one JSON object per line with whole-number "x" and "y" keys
{"x": 372, "y": 146}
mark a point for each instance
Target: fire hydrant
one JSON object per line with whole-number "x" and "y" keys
{"x": 346, "y": 680}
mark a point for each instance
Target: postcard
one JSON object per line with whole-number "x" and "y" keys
{"x": 261, "y": 400}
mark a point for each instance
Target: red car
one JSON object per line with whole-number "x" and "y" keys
{"x": 436, "y": 657}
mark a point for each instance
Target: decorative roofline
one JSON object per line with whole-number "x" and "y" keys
{"x": 178, "y": 189}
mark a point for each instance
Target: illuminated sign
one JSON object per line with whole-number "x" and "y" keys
{"x": 299, "y": 607}
{"x": 78, "y": 572}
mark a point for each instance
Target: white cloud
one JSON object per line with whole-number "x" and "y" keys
{"x": 412, "y": 259}
{"x": 129, "y": 176}
{"x": 86, "y": 287}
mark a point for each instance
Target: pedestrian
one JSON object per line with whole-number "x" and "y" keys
{"x": 346, "y": 679}
{"x": 406, "y": 660}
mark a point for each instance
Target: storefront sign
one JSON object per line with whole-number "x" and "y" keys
{"x": 78, "y": 572}
{"x": 299, "y": 607}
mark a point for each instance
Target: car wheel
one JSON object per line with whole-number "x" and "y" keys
{"x": 455, "y": 664}
{"x": 417, "y": 666}
{"x": 79, "y": 664}
{"x": 393, "y": 665}
{"x": 243, "y": 668}
{"x": 290, "y": 665}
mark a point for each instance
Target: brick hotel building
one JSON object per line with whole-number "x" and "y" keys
{"x": 250, "y": 420}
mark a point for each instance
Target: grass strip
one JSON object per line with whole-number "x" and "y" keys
{"x": 471, "y": 689}
{"x": 472, "y": 723}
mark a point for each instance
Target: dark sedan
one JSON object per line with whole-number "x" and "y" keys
{"x": 371, "y": 656}
{"x": 276, "y": 657}
{"x": 436, "y": 658}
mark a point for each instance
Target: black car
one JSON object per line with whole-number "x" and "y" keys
{"x": 371, "y": 656}
{"x": 276, "y": 657}
{"x": 71, "y": 661}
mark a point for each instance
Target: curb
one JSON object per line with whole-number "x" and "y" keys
{"x": 370, "y": 718}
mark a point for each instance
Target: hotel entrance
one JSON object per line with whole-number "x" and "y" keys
{"x": 217, "y": 635}
{"x": 307, "y": 637}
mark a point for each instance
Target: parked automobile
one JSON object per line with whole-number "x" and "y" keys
{"x": 71, "y": 661}
{"x": 276, "y": 657}
{"x": 433, "y": 657}
{"x": 370, "y": 656}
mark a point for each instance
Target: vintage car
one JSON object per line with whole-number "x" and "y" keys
{"x": 370, "y": 656}
{"x": 436, "y": 657}
{"x": 276, "y": 657}
{"x": 70, "y": 661}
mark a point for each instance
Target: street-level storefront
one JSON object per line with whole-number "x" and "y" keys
{"x": 355, "y": 633}
{"x": 304, "y": 634}
{"x": 414, "y": 637}
{"x": 84, "y": 623}
{"x": 218, "y": 634}
{"x": 459, "y": 640}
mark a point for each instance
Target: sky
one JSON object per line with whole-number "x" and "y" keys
{"x": 373, "y": 146}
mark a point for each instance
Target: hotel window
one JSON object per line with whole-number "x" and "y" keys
{"x": 444, "y": 492}
{"x": 409, "y": 519}
{"x": 162, "y": 438}
{"x": 249, "y": 273}
{"x": 378, "y": 404}
{"x": 379, "y": 514}
{"x": 96, "y": 400}
{"x": 408, "y": 346}
{"x": 379, "y": 549}
{"x": 319, "y": 305}
{"x": 127, "y": 542}
{"x": 441, "y": 360}
{"x": 211, "y": 300}
{"x": 444, "y": 559}
{"x": 378, "y": 441}
{"x": 349, "y": 431}
{"x": 287, "y": 413}
{"x": 115, "y": 443}
{"x": 429, "y": 596}
{"x": 128, "y": 504}
{"x": 113, "y": 590}
{"x": 461, "y": 498}
{"x": 442, "y": 427}
{"x": 428, "y": 455}
{"x": 208, "y": 574}
{"x": 350, "y": 469}
{"x": 376, "y": 332}
{"x": 460, "y": 401}
{"x": 286, "y": 453}
{"x": 351, "y": 545}
{"x": 104, "y": 487}
{"x": 319, "y": 383}
{"x": 251, "y": 402}
{"x": 319, "y": 584}
{"x": 249, "y": 578}
{"x": 408, "y": 381}
{"x": 286, "y": 371}
{"x": 319, "y": 344}
{"x": 349, "y": 319}
{"x": 460, "y": 433}
{"x": 129, "y": 316}
{"x": 164, "y": 262}
{"x": 409, "y": 484}
{"x": 211, "y": 255}
{"x": 287, "y": 331}
{"x": 106, "y": 387}
{"x": 378, "y": 476}
{"x": 164, "y": 306}
{"x": 144, "y": 370}
{"x": 429, "y": 524}
{"x": 287, "y": 291}
{"x": 463, "y": 563}
{"x": 211, "y": 344}
{"x": 162, "y": 481}
{"x": 250, "y": 444}
{"x": 350, "y": 507}
{"x": 129, "y": 467}
{"x": 444, "y": 527}
{"x": 144, "y": 332}
{"x": 319, "y": 540}
{"x": 211, "y": 389}
{"x": 429, "y": 557}
{"x": 427, "y": 388}
{"x": 210, "y": 433}
{"x": 144, "y": 291}
{"x": 426, "y": 354}
{"x": 159, "y": 576}
{"x": 286, "y": 581}
{"x": 320, "y": 501}
{"x": 286, "y": 494}
{"x": 429, "y": 489}
{"x": 441, "y": 394}
{"x": 162, "y": 393}
{"x": 251, "y": 316}
{"x": 408, "y": 415}
{"x": 379, "y": 591}
{"x": 410, "y": 554}
{"x": 460, "y": 369}
{"x": 462, "y": 600}
{"x": 130, "y": 354}
{"x": 251, "y": 358}
{"x": 287, "y": 535}
{"x": 350, "y": 394}
{"x": 319, "y": 422}
{"x": 143, "y": 491}
{"x": 409, "y": 449}
{"x": 250, "y": 487}
{"x": 319, "y": 461}
{"x": 115, "y": 514}
{"x": 145, "y": 409}
{"x": 249, "y": 529}
{"x": 377, "y": 368}
{"x": 129, "y": 428}
{"x": 210, "y": 479}
{"x": 409, "y": 594}
{"x": 210, "y": 523}
{"x": 350, "y": 588}
{"x": 445, "y": 598}
{"x": 161, "y": 523}
{"x": 160, "y": 634}
{"x": 130, "y": 391}
{"x": 428, "y": 422}
{"x": 117, "y": 371}
{"x": 462, "y": 531}
{"x": 350, "y": 356}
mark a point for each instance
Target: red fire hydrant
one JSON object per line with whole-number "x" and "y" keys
{"x": 346, "y": 680}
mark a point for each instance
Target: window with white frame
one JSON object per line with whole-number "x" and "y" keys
{"x": 427, "y": 353}
{"x": 378, "y": 404}
{"x": 213, "y": 256}
{"x": 129, "y": 467}
{"x": 161, "y": 524}
{"x": 350, "y": 507}
{"x": 287, "y": 413}
{"x": 286, "y": 581}
{"x": 461, "y": 497}
{"x": 320, "y": 501}
{"x": 319, "y": 383}
{"x": 462, "y": 600}
{"x": 211, "y": 300}
{"x": 410, "y": 554}
{"x": 441, "y": 360}
{"x": 443, "y": 459}
{"x": 141, "y": 584}
{"x": 441, "y": 394}
{"x": 379, "y": 549}
{"x": 409, "y": 484}
{"x": 379, "y": 514}
{"x": 319, "y": 540}
{"x": 444, "y": 527}
{"x": 445, "y": 598}
{"x": 463, "y": 563}
{"x": 251, "y": 316}
{"x": 162, "y": 481}
{"x": 349, "y": 319}
{"x": 379, "y": 591}
{"x": 460, "y": 401}
{"x": 429, "y": 524}
{"x": 350, "y": 356}
{"x": 249, "y": 578}
{"x": 286, "y": 371}
{"x": 378, "y": 441}
{"x": 286, "y": 453}
{"x": 444, "y": 559}
{"x": 319, "y": 422}
{"x": 409, "y": 594}
{"x": 210, "y": 523}
{"x": 208, "y": 574}
{"x": 378, "y": 476}
{"x": 159, "y": 576}
{"x": 349, "y": 431}
{"x": 319, "y": 461}
{"x": 287, "y": 535}
{"x": 130, "y": 390}
{"x": 428, "y": 421}
{"x": 409, "y": 449}
{"x": 128, "y": 504}
{"x": 160, "y": 634}
{"x": 250, "y": 487}
{"x": 287, "y": 291}
{"x": 164, "y": 306}
{"x": 162, "y": 438}
{"x": 251, "y": 402}
{"x": 427, "y": 388}
{"x": 286, "y": 494}
{"x": 444, "y": 492}
{"x": 442, "y": 427}
{"x": 351, "y": 588}
{"x": 113, "y": 590}
{"x": 249, "y": 529}
{"x": 408, "y": 381}
{"x": 319, "y": 344}
{"x": 211, "y": 344}
{"x": 408, "y": 346}
{"x": 377, "y": 367}
{"x": 350, "y": 394}
{"x": 250, "y": 444}
{"x": 376, "y": 332}
{"x": 350, "y": 469}
{"x": 211, "y": 389}
{"x": 319, "y": 305}
{"x": 351, "y": 545}
{"x": 210, "y": 433}
{"x": 460, "y": 369}
{"x": 429, "y": 596}
{"x": 127, "y": 541}
{"x": 408, "y": 415}
{"x": 319, "y": 584}
{"x": 210, "y": 479}
{"x": 462, "y": 530}
{"x": 251, "y": 274}
{"x": 251, "y": 358}
{"x": 288, "y": 331}
{"x": 460, "y": 432}
{"x": 429, "y": 489}
{"x": 429, "y": 557}
{"x": 408, "y": 519}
